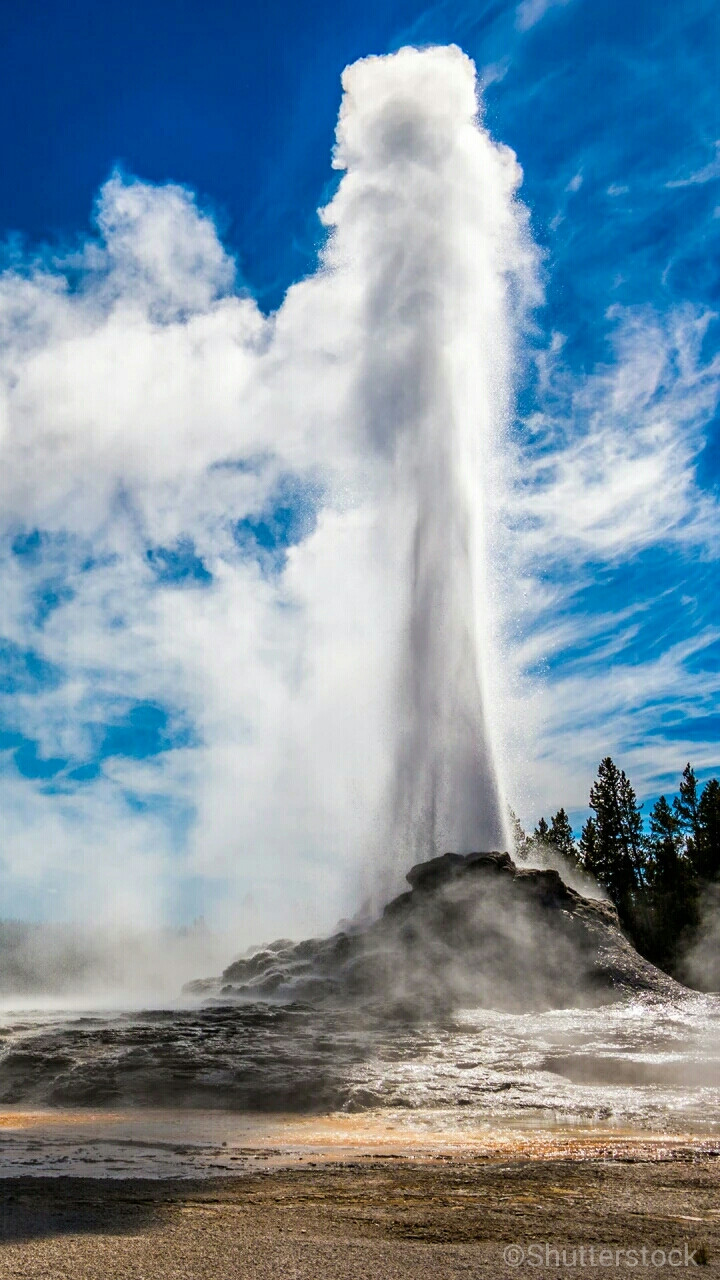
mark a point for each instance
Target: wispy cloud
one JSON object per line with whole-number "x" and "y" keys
{"x": 707, "y": 173}
{"x": 613, "y": 529}
{"x": 614, "y": 454}
{"x": 530, "y": 12}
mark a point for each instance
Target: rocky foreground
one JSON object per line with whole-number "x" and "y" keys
{"x": 399, "y": 1012}
{"x": 472, "y": 930}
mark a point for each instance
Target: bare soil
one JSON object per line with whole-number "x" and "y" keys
{"x": 384, "y": 1219}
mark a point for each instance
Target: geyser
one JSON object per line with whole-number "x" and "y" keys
{"x": 273, "y": 535}
{"x": 428, "y": 216}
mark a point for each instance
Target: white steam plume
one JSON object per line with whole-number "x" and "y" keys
{"x": 426, "y": 220}
{"x": 311, "y": 691}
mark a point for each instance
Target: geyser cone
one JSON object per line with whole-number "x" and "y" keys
{"x": 428, "y": 214}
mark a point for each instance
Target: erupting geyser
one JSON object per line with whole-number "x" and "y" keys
{"x": 292, "y": 518}
{"x": 427, "y": 212}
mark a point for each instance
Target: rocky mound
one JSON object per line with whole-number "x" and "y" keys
{"x": 473, "y": 930}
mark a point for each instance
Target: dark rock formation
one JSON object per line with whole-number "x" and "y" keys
{"x": 473, "y": 930}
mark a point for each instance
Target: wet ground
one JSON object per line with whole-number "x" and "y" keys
{"x": 635, "y": 1060}
{"x": 177, "y": 1144}
{"x": 159, "y": 1092}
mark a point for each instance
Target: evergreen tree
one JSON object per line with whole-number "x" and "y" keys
{"x": 656, "y": 880}
{"x": 589, "y": 847}
{"x": 520, "y": 838}
{"x": 631, "y": 824}
{"x": 664, "y": 847}
{"x": 541, "y": 833}
{"x": 619, "y": 853}
{"x": 685, "y": 806}
{"x": 561, "y": 835}
{"x": 672, "y": 907}
{"x": 705, "y": 855}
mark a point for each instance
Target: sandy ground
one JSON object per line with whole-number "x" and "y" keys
{"x": 443, "y": 1217}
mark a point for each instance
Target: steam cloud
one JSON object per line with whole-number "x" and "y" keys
{"x": 274, "y": 528}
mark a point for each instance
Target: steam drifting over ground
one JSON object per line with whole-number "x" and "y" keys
{"x": 257, "y": 546}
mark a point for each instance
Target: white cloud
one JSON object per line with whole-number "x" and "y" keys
{"x": 707, "y": 173}
{"x": 530, "y": 12}
{"x": 589, "y": 709}
{"x": 606, "y": 471}
{"x": 616, "y": 466}
{"x": 494, "y": 72}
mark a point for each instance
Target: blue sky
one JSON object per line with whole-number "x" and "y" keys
{"x": 241, "y": 105}
{"x": 613, "y": 112}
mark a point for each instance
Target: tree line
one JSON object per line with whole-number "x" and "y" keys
{"x": 658, "y": 877}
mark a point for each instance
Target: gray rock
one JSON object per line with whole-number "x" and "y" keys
{"x": 473, "y": 930}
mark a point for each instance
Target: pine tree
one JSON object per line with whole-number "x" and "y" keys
{"x": 664, "y": 847}
{"x": 541, "y": 833}
{"x": 632, "y": 830}
{"x": 561, "y": 835}
{"x": 672, "y": 900}
{"x": 589, "y": 848}
{"x": 705, "y": 855}
{"x": 619, "y": 853}
{"x": 685, "y": 806}
{"x": 520, "y": 838}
